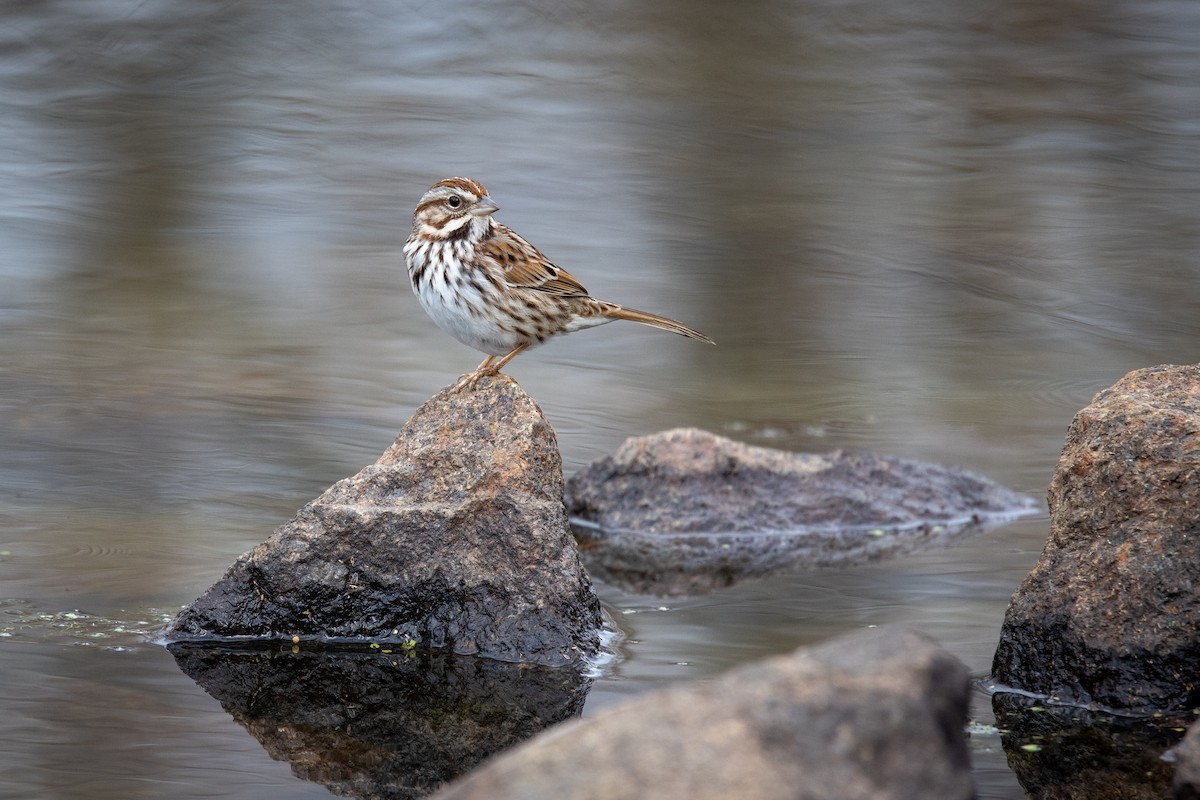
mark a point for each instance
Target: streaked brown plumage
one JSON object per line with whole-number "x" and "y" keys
{"x": 486, "y": 286}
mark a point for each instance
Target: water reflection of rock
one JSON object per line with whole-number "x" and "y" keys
{"x": 382, "y": 725}
{"x": 1066, "y": 752}
{"x": 685, "y": 511}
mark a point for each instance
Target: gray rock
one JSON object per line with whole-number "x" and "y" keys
{"x": 1109, "y": 617}
{"x": 455, "y": 539}
{"x": 1187, "y": 766}
{"x": 685, "y": 511}
{"x": 877, "y": 715}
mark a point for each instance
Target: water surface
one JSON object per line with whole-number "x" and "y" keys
{"x": 931, "y": 230}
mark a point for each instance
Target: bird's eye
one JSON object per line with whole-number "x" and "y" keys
{"x": 454, "y": 201}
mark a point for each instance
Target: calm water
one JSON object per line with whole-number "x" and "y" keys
{"x": 927, "y": 229}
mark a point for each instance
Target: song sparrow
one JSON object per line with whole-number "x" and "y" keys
{"x": 489, "y": 288}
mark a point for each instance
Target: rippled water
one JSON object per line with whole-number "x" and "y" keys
{"x": 932, "y": 230}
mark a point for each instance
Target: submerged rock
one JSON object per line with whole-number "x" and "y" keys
{"x": 878, "y": 715}
{"x": 685, "y": 511}
{"x": 1110, "y": 616}
{"x": 456, "y": 539}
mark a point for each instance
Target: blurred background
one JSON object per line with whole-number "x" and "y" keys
{"x": 929, "y": 229}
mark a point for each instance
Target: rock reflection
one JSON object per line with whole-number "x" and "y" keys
{"x": 1068, "y": 752}
{"x": 688, "y": 565}
{"x": 382, "y": 725}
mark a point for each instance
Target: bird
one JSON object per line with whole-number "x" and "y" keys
{"x": 489, "y": 288}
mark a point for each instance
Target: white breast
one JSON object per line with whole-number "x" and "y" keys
{"x": 458, "y": 306}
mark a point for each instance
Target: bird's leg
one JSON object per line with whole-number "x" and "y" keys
{"x": 488, "y": 368}
{"x": 509, "y": 356}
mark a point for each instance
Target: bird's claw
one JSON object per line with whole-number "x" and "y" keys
{"x": 470, "y": 379}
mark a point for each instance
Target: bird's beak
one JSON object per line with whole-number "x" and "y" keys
{"x": 485, "y": 207}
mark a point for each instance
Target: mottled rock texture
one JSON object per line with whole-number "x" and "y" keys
{"x": 879, "y": 715}
{"x": 1110, "y": 614}
{"x": 455, "y": 539}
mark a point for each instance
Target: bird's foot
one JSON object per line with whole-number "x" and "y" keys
{"x": 490, "y": 366}
{"x": 470, "y": 378}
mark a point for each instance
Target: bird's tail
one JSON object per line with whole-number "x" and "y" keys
{"x": 655, "y": 321}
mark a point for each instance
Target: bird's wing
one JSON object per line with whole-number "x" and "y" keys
{"x": 525, "y": 267}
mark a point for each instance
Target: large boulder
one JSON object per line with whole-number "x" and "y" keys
{"x": 880, "y": 714}
{"x": 1109, "y": 617}
{"x": 686, "y": 511}
{"x": 455, "y": 539}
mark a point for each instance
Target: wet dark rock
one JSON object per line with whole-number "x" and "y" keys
{"x": 379, "y": 724}
{"x": 877, "y": 715}
{"x": 1109, "y": 617}
{"x": 1187, "y": 766}
{"x": 685, "y": 511}
{"x": 455, "y": 539}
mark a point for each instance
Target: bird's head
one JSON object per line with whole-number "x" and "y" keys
{"x": 454, "y": 208}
